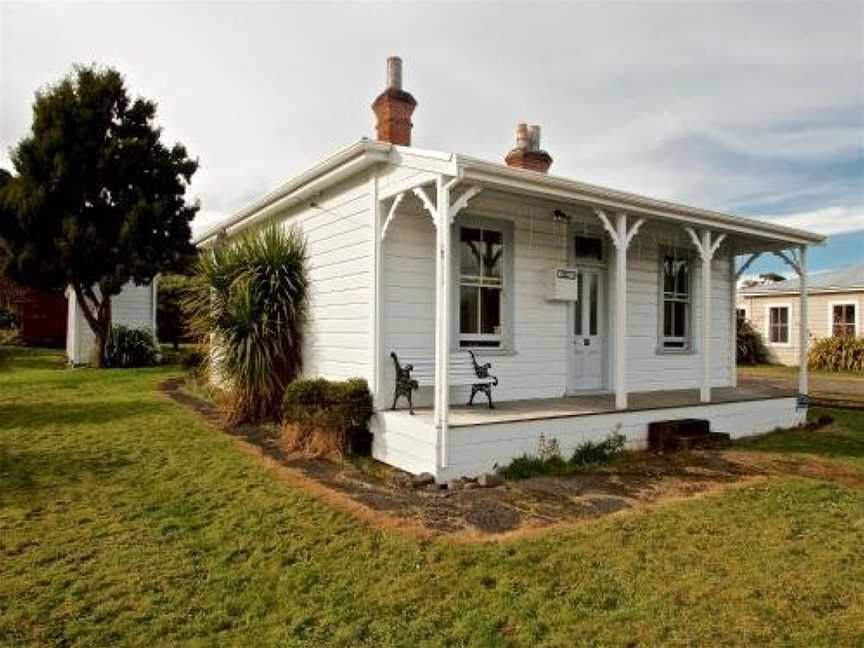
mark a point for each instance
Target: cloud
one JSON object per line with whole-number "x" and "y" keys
{"x": 828, "y": 220}
{"x": 748, "y": 107}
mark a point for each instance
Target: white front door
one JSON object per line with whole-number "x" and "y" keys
{"x": 587, "y": 333}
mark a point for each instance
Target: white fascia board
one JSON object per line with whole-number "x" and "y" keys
{"x": 543, "y": 184}
{"x": 339, "y": 166}
{"x": 810, "y": 291}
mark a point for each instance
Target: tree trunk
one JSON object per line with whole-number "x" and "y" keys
{"x": 97, "y": 313}
{"x": 101, "y": 332}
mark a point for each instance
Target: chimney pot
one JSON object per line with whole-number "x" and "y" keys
{"x": 523, "y": 139}
{"x": 528, "y": 154}
{"x": 393, "y": 108}
{"x": 394, "y": 72}
{"x": 534, "y": 135}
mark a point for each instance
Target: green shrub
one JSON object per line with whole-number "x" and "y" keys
{"x": 592, "y": 453}
{"x": 548, "y": 460}
{"x": 130, "y": 347}
{"x": 323, "y": 417}
{"x": 837, "y": 354}
{"x": 251, "y": 296}
{"x": 749, "y": 345}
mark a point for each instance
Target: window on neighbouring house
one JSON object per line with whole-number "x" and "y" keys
{"x": 740, "y": 315}
{"x": 675, "y": 282}
{"x": 481, "y": 285}
{"x": 778, "y": 324}
{"x": 843, "y": 322}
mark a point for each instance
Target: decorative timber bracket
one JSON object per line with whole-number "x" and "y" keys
{"x": 458, "y": 205}
{"x": 706, "y": 247}
{"x": 628, "y": 234}
{"x": 792, "y": 258}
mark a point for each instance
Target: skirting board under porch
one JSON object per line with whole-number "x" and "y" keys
{"x": 411, "y": 442}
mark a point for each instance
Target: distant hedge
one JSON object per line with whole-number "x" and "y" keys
{"x": 837, "y": 354}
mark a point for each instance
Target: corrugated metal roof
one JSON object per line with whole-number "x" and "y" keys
{"x": 846, "y": 278}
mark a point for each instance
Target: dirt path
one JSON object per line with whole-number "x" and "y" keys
{"x": 384, "y": 497}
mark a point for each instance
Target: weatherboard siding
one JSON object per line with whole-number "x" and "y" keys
{"x": 338, "y": 234}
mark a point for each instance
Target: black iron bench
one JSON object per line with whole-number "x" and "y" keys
{"x": 413, "y": 372}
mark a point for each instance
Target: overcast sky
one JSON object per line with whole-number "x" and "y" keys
{"x": 753, "y": 108}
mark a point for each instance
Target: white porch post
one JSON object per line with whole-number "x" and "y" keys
{"x": 706, "y": 247}
{"x": 733, "y": 305}
{"x": 621, "y": 311}
{"x": 444, "y": 338}
{"x": 621, "y": 238}
{"x": 802, "y": 323}
{"x": 705, "y": 387}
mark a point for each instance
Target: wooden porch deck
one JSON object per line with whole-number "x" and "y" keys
{"x": 587, "y": 405}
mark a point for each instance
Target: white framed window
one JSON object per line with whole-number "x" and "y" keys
{"x": 741, "y": 314}
{"x": 483, "y": 281}
{"x": 843, "y": 319}
{"x": 676, "y": 297}
{"x": 777, "y": 324}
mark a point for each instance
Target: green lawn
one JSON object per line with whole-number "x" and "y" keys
{"x": 125, "y": 520}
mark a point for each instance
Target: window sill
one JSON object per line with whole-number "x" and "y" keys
{"x": 486, "y": 352}
{"x": 675, "y": 352}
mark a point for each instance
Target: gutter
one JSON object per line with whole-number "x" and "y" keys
{"x": 544, "y": 184}
{"x": 349, "y": 161}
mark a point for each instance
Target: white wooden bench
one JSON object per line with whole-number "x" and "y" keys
{"x": 419, "y": 371}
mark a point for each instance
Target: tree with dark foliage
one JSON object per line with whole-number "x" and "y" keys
{"x": 97, "y": 199}
{"x": 171, "y": 317}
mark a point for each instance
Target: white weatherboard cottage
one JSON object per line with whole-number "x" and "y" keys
{"x": 134, "y": 306}
{"x": 599, "y": 311}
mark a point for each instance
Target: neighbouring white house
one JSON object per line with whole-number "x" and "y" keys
{"x": 598, "y": 311}
{"x": 835, "y": 300}
{"x": 134, "y": 307}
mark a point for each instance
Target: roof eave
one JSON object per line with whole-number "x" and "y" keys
{"x": 355, "y": 158}
{"x": 558, "y": 186}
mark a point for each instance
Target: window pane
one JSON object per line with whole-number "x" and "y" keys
{"x": 577, "y": 306}
{"x": 490, "y": 302}
{"x": 588, "y": 248}
{"x": 492, "y": 253}
{"x": 667, "y": 319}
{"x": 679, "y": 320}
{"x": 468, "y": 304}
{"x": 668, "y": 276}
{"x": 592, "y": 313}
{"x": 470, "y": 252}
{"x": 682, "y": 277}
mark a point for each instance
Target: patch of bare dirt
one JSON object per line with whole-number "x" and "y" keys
{"x": 383, "y": 495}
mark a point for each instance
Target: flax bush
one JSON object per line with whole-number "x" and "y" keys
{"x": 250, "y": 298}
{"x": 129, "y": 347}
{"x": 837, "y": 354}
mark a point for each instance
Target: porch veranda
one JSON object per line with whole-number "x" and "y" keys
{"x": 424, "y": 442}
{"x": 591, "y": 404}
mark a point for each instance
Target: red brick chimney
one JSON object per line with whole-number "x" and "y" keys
{"x": 393, "y": 107}
{"x": 527, "y": 154}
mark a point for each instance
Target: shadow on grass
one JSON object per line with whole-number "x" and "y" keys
{"x": 25, "y": 472}
{"x": 33, "y": 416}
{"x": 34, "y": 358}
{"x": 843, "y": 439}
